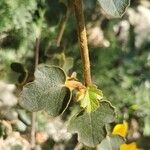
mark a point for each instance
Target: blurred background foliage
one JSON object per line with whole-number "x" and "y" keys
{"x": 120, "y": 63}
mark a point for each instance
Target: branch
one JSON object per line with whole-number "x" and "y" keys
{"x": 33, "y": 117}
{"x": 83, "y": 41}
{"x": 62, "y": 27}
{"x": 78, "y": 7}
{"x": 37, "y": 48}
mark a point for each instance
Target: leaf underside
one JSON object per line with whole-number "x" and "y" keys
{"x": 114, "y": 8}
{"x": 91, "y": 126}
{"x": 47, "y": 92}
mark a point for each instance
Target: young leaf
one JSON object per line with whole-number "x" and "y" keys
{"x": 91, "y": 126}
{"x": 90, "y": 98}
{"x": 114, "y": 8}
{"x": 47, "y": 92}
{"x": 111, "y": 143}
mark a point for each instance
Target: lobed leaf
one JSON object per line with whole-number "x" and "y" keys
{"x": 47, "y": 92}
{"x": 91, "y": 126}
{"x": 90, "y": 98}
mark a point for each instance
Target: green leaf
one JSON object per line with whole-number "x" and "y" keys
{"x": 90, "y": 100}
{"x": 111, "y": 143}
{"x": 91, "y": 126}
{"x": 47, "y": 92}
{"x": 114, "y": 8}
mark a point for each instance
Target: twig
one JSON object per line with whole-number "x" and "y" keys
{"x": 33, "y": 119}
{"x": 83, "y": 41}
{"x": 37, "y": 48}
{"x": 62, "y": 27}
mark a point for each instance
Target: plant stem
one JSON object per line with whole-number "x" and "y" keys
{"x": 62, "y": 27}
{"x": 33, "y": 120}
{"x": 78, "y": 7}
{"x": 37, "y": 48}
{"x": 33, "y": 117}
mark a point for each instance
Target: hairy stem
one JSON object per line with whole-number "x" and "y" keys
{"x": 62, "y": 27}
{"x": 33, "y": 117}
{"x": 78, "y": 7}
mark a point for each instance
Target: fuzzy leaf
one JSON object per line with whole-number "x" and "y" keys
{"x": 90, "y": 100}
{"x": 47, "y": 92}
{"x": 91, "y": 126}
{"x": 114, "y": 8}
{"x": 111, "y": 143}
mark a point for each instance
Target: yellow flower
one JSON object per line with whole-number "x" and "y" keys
{"x": 121, "y": 129}
{"x": 131, "y": 146}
